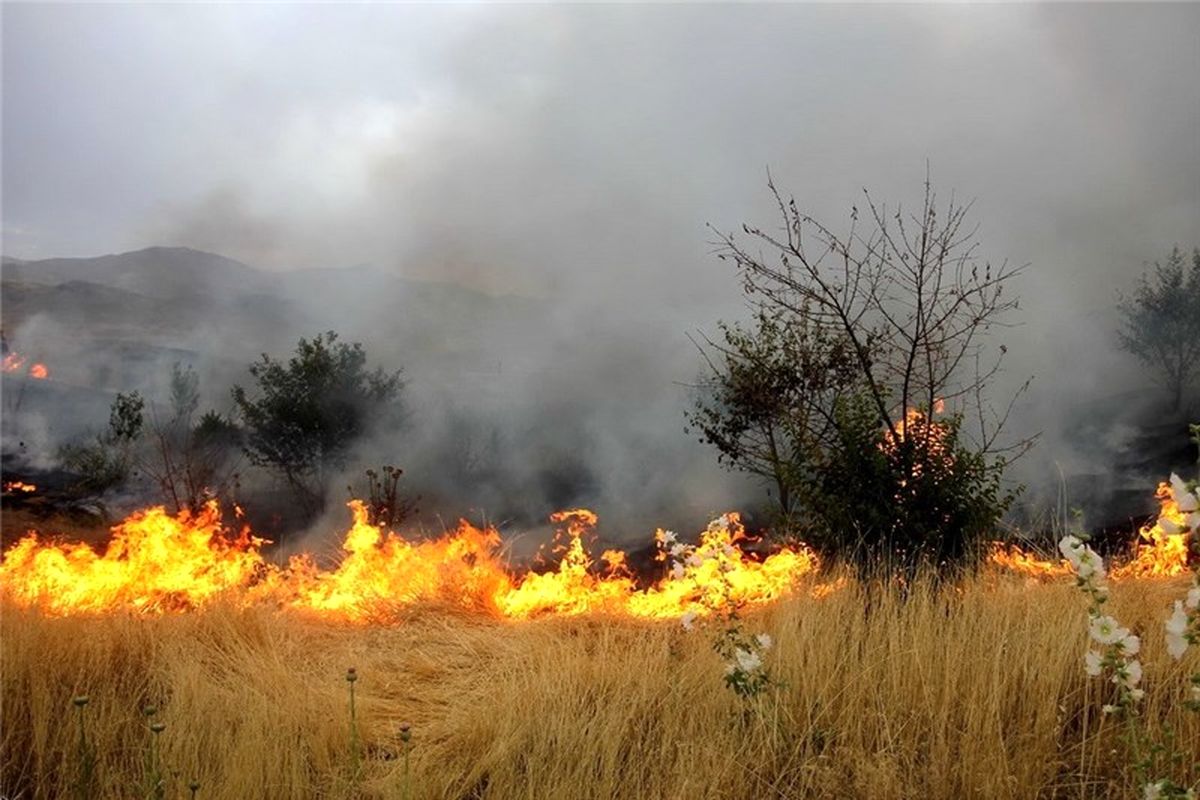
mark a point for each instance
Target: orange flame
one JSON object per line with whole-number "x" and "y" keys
{"x": 156, "y": 562}
{"x": 1163, "y": 546}
{"x": 14, "y": 361}
{"x": 20, "y": 486}
{"x": 1013, "y": 559}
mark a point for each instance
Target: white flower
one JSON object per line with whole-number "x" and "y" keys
{"x": 1168, "y": 527}
{"x": 666, "y": 537}
{"x": 677, "y": 571}
{"x": 1130, "y": 645}
{"x": 678, "y": 549}
{"x": 747, "y": 661}
{"x": 1193, "y": 520}
{"x": 688, "y": 620}
{"x": 1193, "y": 598}
{"x": 1176, "y": 646}
{"x": 1129, "y": 675}
{"x": 1090, "y": 563}
{"x": 1092, "y": 663}
{"x": 1177, "y": 625}
{"x": 1070, "y": 546}
{"x": 1106, "y": 630}
{"x": 1195, "y": 692}
{"x": 1107, "y": 709}
{"x": 764, "y": 641}
{"x": 1183, "y": 498}
{"x": 1137, "y": 694}
{"x": 1152, "y": 791}
{"x": 694, "y": 560}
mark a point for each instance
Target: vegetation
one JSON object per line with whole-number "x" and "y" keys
{"x": 105, "y": 462}
{"x": 1160, "y": 323}
{"x": 978, "y": 691}
{"x": 191, "y": 461}
{"x": 310, "y": 411}
{"x": 859, "y": 340}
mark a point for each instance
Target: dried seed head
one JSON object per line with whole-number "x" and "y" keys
{"x": 158, "y": 727}
{"x": 351, "y": 675}
{"x": 81, "y": 700}
{"x": 150, "y": 711}
{"x": 194, "y": 786}
{"x": 405, "y": 731}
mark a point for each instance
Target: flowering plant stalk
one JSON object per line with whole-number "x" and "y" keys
{"x": 1113, "y": 647}
{"x": 746, "y": 673}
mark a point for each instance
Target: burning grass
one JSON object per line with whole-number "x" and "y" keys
{"x": 974, "y": 691}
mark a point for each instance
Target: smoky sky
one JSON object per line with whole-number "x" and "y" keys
{"x": 575, "y": 154}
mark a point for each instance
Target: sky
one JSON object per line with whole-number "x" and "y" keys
{"x": 580, "y": 153}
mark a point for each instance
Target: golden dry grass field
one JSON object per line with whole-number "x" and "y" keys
{"x": 974, "y": 691}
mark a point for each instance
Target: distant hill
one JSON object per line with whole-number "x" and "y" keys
{"x": 160, "y": 272}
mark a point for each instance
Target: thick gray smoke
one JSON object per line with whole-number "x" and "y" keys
{"x": 560, "y": 165}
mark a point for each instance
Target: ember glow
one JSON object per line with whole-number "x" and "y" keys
{"x": 14, "y": 362}
{"x": 19, "y": 486}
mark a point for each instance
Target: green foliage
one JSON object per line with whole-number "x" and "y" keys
{"x": 764, "y": 405}
{"x": 853, "y": 331}
{"x": 1160, "y": 322}
{"x": 310, "y": 411}
{"x": 190, "y": 462}
{"x": 923, "y": 499}
{"x": 105, "y": 462}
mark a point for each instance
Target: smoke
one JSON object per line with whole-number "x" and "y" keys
{"x": 557, "y": 167}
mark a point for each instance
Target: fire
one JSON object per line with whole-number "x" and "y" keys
{"x": 1163, "y": 546}
{"x": 20, "y": 486}
{"x": 14, "y": 361}
{"x": 920, "y": 426}
{"x": 1012, "y": 558}
{"x": 1161, "y": 549}
{"x": 156, "y": 562}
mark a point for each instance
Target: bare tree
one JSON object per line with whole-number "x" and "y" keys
{"x": 906, "y": 292}
{"x": 1160, "y": 323}
{"x": 862, "y": 337}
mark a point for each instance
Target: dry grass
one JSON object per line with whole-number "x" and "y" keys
{"x": 977, "y": 692}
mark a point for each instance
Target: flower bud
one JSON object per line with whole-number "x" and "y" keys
{"x": 157, "y": 727}
{"x": 351, "y": 675}
{"x": 81, "y": 700}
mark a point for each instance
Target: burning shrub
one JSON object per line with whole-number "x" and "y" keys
{"x": 862, "y": 336}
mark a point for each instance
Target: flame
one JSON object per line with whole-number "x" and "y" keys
{"x": 1013, "y": 559}
{"x": 1163, "y": 546}
{"x": 20, "y": 486}
{"x": 14, "y": 361}
{"x": 156, "y": 563}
